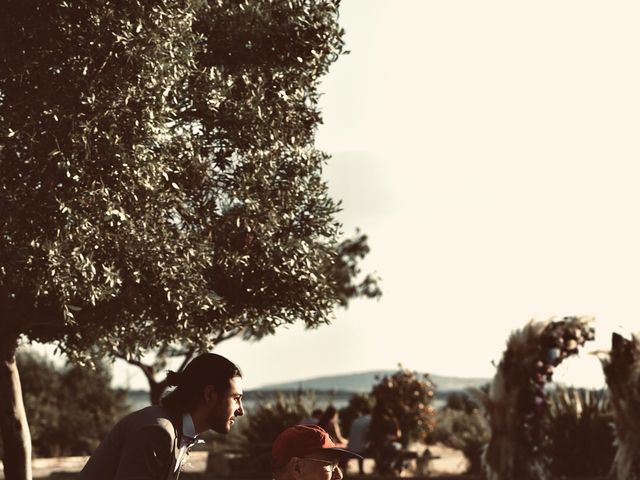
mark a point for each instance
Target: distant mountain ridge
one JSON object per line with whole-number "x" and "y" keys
{"x": 363, "y": 381}
{"x": 336, "y": 389}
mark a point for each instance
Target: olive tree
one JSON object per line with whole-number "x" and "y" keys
{"x": 158, "y": 178}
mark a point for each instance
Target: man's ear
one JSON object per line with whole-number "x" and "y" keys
{"x": 296, "y": 466}
{"x": 210, "y": 395}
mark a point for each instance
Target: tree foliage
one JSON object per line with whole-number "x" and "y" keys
{"x": 158, "y": 172}
{"x": 158, "y": 178}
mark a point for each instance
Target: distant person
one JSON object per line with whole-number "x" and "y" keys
{"x": 315, "y": 417}
{"x": 386, "y": 439}
{"x": 360, "y": 436}
{"x": 153, "y": 443}
{"x": 307, "y": 452}
{"x": 329, "y": 422}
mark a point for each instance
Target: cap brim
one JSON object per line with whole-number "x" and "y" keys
{"x": 342, "y": 452}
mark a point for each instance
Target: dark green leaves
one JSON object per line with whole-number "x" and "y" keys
{"x": 159, "y": 174}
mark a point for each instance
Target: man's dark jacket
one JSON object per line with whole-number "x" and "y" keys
{"x": 141, "y": 446}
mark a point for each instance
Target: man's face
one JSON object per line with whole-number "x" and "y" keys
{"x": 318, "y": 466}
{"x": 228, "y": 406}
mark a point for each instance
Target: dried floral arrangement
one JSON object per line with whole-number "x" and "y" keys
{"x": 516, "y": 402}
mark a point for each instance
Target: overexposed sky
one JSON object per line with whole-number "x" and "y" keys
{"x": 491, "y": 151}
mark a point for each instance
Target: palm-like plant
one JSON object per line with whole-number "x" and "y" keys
{"x": 581, "y": 432}
{"x": 267, "y": 420}
{"x": 622, "y": 372}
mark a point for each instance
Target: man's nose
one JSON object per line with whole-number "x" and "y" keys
{"x": 240, "y": 411}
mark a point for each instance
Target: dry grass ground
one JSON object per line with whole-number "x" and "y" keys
{"x": 447, "y": 462}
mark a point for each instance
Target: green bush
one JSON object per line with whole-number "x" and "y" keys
{"x": 406, "y": 395}
{"x": 461, "y": 401}
{"x": 463, "y": 429}
{"x": 70, "y": 409}
{"x": 265, "y": 422}
{"x": 581, "y": 432}
{"x": 463, "y": 426}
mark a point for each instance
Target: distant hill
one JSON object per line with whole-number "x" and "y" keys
{"x": 362, "y": 383}
{"x": 336, "y": 389}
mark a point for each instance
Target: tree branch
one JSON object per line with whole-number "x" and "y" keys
{"x": 226, "y": 336}
{"x": 187, "y": 357}
{"x": 147, "y": 369}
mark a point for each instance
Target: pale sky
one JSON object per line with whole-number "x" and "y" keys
{"x": 490, "y": 151}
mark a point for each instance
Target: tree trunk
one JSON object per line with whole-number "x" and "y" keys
{"x": 13, "y": 419}
{"x": 156, "y": 389}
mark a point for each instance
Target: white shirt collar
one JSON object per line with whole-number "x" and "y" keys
{"x": 188, "y": 428}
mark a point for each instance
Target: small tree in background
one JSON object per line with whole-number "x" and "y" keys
{"x": 71, "y": 408}
{"x": 407, "y": 396}
{"x": 517, "y": 401}
{"x": 622, "y": 373}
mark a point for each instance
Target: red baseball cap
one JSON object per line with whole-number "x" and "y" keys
{"x": 302, "y": 440}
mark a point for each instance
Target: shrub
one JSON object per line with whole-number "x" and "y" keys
{"x": 581, "y": 433}
{"x": 71, "y": 408}
{"x": 461, "y": 425}
{"x": 621, "y": 371}
{"x": 407, "y": 395}
{"x": 461, "y": 401}
{"x": 265, "y": 422}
